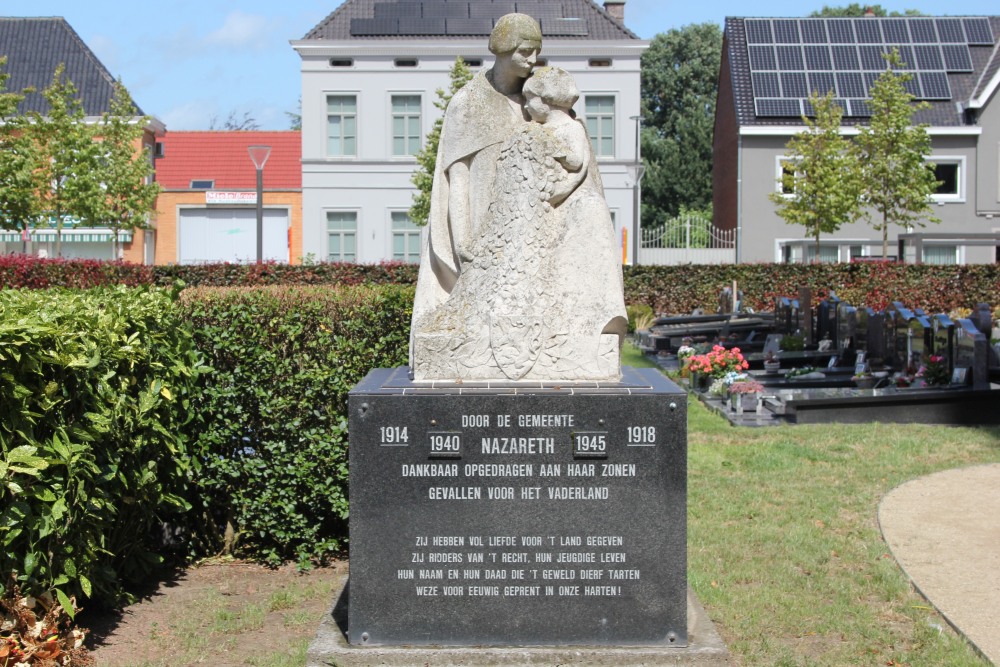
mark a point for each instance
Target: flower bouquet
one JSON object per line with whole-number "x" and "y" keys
{"x": 935, "y": 372}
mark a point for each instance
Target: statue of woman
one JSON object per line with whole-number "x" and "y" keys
{"x": 538, "y": 290}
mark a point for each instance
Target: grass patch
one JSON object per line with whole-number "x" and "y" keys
{"x": 783, "y": 545}
{"x": 633, "y": 356}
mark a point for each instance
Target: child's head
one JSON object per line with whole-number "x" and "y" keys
{"x": 554, "y": 86}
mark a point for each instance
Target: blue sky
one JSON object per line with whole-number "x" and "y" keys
{"x": 187, "y": 61}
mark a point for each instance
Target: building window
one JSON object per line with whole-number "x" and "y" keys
{"x": 599, "y": 112}
{"x": 341, "y": 125}
{"x": 950, "y": 174}
{"x": 828, "y": 254}
{"x": 405, "y": 238}
{"x": 405, "y": 125}
{"x": 405, "y": 62}
{"x": 940, "y": 254}
{"x": 341, "y": 62}
{"x": 784, "y": 170}
{"x": 473, "y": 62}
{"x": 599, "y": 62}
{"x": 342, "y": 236}
{"x": 202, "y": 185}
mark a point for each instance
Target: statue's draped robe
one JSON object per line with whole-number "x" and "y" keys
{"x": 542, "y": 296}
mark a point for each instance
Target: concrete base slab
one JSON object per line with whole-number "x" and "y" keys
{"x": 330, "y": 649}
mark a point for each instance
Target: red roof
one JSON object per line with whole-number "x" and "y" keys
{"x": 222, "y": 157}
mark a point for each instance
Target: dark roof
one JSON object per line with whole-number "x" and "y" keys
{"x": 34, "y": 47}
{"x": 457, "y": 19}
{"x": 954, "y": 86}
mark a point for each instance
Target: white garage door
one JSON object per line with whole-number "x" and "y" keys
{"x": 230, "y": 235}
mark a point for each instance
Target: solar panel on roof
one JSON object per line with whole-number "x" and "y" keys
{"x": 790, "y": 58}
{"x": 912, "y": 86}
{"x": 978, "y": 31}
{"x": 564, "y": 27}
{"x": 813, "y": 31}
{"x": 793, "y": 84}
{"x": 477, "y": 26}
{"x": 868, "y": 31}
{"x": 923, "y": 31}
{"x": 895, "y": 30}
{"x": 446, "y": 10}
{"x": 818, "y": 57}
{"x": 821, "y": 82}
{"x": 859, "y": 108}
{"x": 422, "y": 27}
{"x": 935, "y": 86}
{"x": 786, "y": 31}
{"x": 950, "y": 31}
{"x": 905, "y": 56}
{"x": 845, "y": 57}
{"x": 778, "y": 107}
{"x": 384, "y": 26}
{"x": 870, "y": 79}
{"x": 762, "y": 58}
{"x": 841, "y": 31}
{"x": 851, "y": 84}
{"x": 928, "y": 56}
{"x": 395, "y": 10}
{"x": 765, "y": 84}
{"x": 871, "y": 57}
{"x": 758, "y": 31}
{"x": 808, "y": 110}
{"x": 957, "y": 57}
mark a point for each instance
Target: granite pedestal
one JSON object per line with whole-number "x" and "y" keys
{"x": 515, "y": 515}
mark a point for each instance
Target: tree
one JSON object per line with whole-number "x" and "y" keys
{"x": 898, "y": 182}
{"x": 234, "y": 123}
{"x": 855, "y": 9}
{"x": 679, "y": 78}
{"x": 126, "y": 194}
{"x": 65, "y": 145}
{"x": 295, "y": 117}
{"x": 820, "y": 173}
{"x": 20, "y": 179}
{"x": 423, "y": 176}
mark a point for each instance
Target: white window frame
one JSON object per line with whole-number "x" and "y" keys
{"x": 779, "y": 171}
{"x": 958, "y": 197}
{"x": 614, "y": 121}
{"x": 326, "y": 125}
{"x": 959, "y": 252}
{"x": 327, "y": 233}
{"x": 390, "y": 132}
{"x": 406, "y": 236}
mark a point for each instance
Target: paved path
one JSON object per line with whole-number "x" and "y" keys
{"x": 944, "y": 530}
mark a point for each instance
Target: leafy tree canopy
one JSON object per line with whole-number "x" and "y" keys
{"x": 856, "y": 9}
{"x": 423, "y": 176}
{"x": 680, "y": 72}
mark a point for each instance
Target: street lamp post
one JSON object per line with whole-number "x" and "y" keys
{"x": 635, "y": 173}
{"x": 259, "y": 155}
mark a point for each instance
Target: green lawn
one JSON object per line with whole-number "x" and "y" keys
{"x": 784, "y": 548}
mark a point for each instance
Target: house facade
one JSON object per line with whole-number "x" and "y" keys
{"x": 34, "y": 47}
{"x": 207, "y": 209}
{"x": 369, "y": 75}
{"x": 768, "y": 69}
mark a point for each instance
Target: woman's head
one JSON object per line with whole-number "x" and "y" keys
{"x": 514, "y": 31}
{"x": 554, "y": 86}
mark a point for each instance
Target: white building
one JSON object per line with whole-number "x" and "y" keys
{"x": 369, "y": 75}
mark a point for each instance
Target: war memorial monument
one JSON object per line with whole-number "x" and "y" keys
{"x": 516, "y": 496}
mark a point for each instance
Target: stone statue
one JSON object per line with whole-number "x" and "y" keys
{"x": 519, "y": 275}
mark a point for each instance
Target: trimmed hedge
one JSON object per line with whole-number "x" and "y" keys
{"x": 681, "y": 289}
{"x": 18, "y": 271}
{"x": 667, "y": 289}
{"x": 95, "y": 389}
{"x": 271, "y": 451}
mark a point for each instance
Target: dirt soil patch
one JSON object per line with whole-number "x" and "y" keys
{"x": 230, "y": 614}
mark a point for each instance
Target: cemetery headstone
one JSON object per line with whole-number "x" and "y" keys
{"x": 847, "y": 326}
{"x": 921, "y": 340}
{"x": 971, "y": 354}
{"x": 944, "y": 340}
{"x": 805, "y": 322}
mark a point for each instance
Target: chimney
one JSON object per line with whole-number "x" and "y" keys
{"x": 616, "y": 8}
{"x": 869, "y": 12}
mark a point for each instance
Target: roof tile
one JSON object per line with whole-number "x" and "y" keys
{"x": 222, "y": 157}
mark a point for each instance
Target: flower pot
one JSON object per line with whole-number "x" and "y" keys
{"x": 700, "y": 381}
{"x": 865, "y": 382}
{"x": 741, "y": 403}
{"x": 772, "y": 367}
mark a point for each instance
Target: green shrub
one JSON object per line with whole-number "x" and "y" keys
{"x": 681, "y": 289}
{"x": 272, "y": 451}
{"x": 95, "y": 387}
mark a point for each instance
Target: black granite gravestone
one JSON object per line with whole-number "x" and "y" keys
{"x": 805, "y": 323}
{"x": 972, "y": 354}
{"x": 944, "y": 340}
{"x": 921, "y": 339}
{"x": 517, "y": 514}
{"x": 847, "y": 326}
{"x": 783, "y": 315}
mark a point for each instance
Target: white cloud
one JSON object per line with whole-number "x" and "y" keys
{"x": 240, "y": 30}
